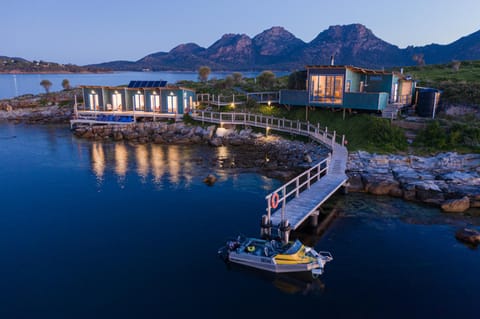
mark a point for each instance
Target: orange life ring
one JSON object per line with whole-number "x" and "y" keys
{"x": 274, "y": 200}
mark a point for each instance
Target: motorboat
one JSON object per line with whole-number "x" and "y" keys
{"x": 275, "y": 256}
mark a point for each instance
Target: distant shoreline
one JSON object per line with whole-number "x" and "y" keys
{"x": 54, "y": 72}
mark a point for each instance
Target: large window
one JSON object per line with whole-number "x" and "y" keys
{"x": 326, "y": 89}
{"x": 172, "y": 103}
{"x": 117, "y": 101}
{"x": 93, "y": 101}
{"x": 139, "y": 101}
{"x": 155, "y": 102}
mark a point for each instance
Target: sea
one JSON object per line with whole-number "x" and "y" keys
{"x": 12, "y": 85}
{"x": 99, "y": 229}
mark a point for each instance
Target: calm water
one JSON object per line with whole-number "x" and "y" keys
{"x": 112, "y": 230}
{"x": 12, "y": 85}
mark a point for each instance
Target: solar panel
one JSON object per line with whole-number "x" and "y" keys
{"x": 147, "y": 84}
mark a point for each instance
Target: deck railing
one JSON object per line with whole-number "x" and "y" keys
{"x": 295, "y": 186}
{"x": 315, "y": 132}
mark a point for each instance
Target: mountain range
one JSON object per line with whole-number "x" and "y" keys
{"x": 278, "y": 49}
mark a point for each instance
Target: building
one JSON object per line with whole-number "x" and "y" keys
{"x": 142, "y": 97}
{"x": 349, "y": 87}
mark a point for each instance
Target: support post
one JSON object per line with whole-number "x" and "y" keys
{"x": 314, "y": 219}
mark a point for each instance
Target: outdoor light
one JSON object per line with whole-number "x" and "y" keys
{"x": 269, "y": 102}
{"x": 93, "y": 92}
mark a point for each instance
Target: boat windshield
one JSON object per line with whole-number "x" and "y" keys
{"x": 294, "y": 248}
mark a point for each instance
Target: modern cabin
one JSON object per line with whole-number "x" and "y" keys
{"x": 351, "y": 87}
{"x": 139, "y": 96}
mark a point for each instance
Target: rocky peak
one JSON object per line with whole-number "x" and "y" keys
{"x": 232, "y": 48}
{"x": 276, "y": 41}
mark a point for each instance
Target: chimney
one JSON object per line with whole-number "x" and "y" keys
{"x": 332, "y": 60}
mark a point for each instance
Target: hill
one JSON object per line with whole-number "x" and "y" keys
{"x": 19, "y": 65}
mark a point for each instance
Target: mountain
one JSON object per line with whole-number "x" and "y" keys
{"x": 352, "y": 45}
{"x": 277, "y": 48}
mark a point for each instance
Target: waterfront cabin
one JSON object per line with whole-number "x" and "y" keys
{"x": 349, "y": 87}
{"x": 142, "y": 97}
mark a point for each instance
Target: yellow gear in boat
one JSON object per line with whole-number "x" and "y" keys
{"x": 251, "y": 249}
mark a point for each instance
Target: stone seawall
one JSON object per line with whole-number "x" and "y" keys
{"x": 448, "y": 180}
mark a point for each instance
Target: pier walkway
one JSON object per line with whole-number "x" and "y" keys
{"x": 301, "y": 197}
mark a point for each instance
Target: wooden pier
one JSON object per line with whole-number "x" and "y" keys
{"x": 292, "y": 203}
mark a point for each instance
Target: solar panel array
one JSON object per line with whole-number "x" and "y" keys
{"x": 147, "y": 84}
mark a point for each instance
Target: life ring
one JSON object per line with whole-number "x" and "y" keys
{"x": 274, "y": 200}
{"x": 251, "y": 249}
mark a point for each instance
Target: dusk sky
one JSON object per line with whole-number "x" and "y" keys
{"x": 84, "y": 32}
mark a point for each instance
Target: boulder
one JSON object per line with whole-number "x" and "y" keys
{"x": 468, "y": 236}
{"x": 456, "y": 205}
{"x": 210, "y": 179}
{"x": 380, "y": 184}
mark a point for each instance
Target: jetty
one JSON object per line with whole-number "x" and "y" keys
{"x": 300, "y": 198}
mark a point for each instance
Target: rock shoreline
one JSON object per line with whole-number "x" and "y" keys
{"x": 37, "y": 115}
{"x": 450, "y": 181}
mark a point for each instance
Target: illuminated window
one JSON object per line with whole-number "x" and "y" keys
{"x": 155, "y": 102}
{"x": 117, "y": 101}
{"x": 139, "y": 101}
{"x": 172, "y": 102}
{"x": 326, "y": 89}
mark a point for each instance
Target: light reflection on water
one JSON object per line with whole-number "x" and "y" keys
{"x": 175, "y": 164}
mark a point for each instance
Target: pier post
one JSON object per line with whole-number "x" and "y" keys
{"x": 284, "y": 230}
{"x": 266, "y": 227}
{"x": 314, "y": 219}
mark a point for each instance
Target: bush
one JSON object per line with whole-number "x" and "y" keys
{"x": 381, "y": 133}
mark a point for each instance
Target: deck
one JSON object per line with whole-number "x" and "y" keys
{"x": 302, "y": 196}
{"x": 117, "y": 117}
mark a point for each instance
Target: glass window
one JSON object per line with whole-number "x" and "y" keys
{"x": 326, "y": 89}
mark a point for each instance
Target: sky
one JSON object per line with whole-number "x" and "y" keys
{"x": 95, "y": 31}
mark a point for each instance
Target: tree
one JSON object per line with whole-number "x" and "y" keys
{"x": 203, "y": 73}
{"x": 237, "y": 77}
{"x": 297, "y": 80}
{"x": 266, "y": 79}
{"x": 66, "y": 84}
{"x": 46, "y": 85}
{"x": 229, "y": 82}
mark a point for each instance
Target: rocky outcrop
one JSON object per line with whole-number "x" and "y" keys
{"x": 468, "y": 236}
{"x": 448, "y": 180}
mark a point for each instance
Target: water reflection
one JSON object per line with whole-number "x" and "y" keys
{"x": 98, "y": 161}
{"x": 288, "y": 283}
{"x": 171, "y": 165}
{"x": 142, "y": 156}
{"x": 157, "y": 159}
{"x": 121, "y": 160}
